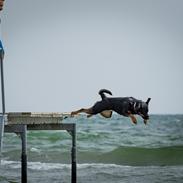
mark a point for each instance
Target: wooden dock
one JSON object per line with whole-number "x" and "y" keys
{"x": 21, "y": 122}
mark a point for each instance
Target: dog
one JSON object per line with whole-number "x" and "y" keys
{"x": 125, "y": 106}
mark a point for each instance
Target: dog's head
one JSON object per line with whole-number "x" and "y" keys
{"x": 143, "y": 110}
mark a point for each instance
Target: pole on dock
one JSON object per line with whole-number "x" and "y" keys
{"x": 73, "y": 156}
{"x": 2, "y": 119}
{"x": 23, "y": 135}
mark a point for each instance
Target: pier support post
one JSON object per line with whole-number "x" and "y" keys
{"x": 73, "y": 156}
{"x": 22, "y": 130}
{"x": 24, "y": 155}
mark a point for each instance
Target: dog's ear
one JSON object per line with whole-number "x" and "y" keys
{"x": 148, "y": 100}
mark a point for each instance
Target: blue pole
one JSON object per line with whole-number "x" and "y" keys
{"x": 2, "y": 117}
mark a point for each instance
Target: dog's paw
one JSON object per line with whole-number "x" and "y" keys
{"x": 145, "y": 121}
{"x": 135, "y": 122}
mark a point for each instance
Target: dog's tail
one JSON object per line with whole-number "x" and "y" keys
{"x": 102, "y": 91}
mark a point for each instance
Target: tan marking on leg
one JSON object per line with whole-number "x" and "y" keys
{"x": 133, "y": 118}
{"x": 106, "y": 113}
{"x": 89, "y": 115}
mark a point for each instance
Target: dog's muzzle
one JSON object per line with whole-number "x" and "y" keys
{"x": 145, "y": 117}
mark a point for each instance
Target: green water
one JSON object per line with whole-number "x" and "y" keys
{"x": 108, "y": 150}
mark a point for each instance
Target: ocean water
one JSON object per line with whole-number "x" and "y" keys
{"x": 108, "y": 151}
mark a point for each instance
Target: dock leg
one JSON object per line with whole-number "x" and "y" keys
{"x": 24, "y": 155}
{"x": 73, "y": 156}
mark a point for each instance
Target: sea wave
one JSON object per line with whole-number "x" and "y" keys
{"x": 138, "y": 156}
{"x": 128, "y": 156}
{"x": 90, "y": 172}
{"x": 50, "y": 166}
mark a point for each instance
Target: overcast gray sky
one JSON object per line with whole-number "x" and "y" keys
{"x": 60, "y": 53}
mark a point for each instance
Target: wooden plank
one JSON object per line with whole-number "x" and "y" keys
{"x": 35, "y": 118}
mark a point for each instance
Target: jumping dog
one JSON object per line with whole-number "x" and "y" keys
{"x": 126, "y": 106}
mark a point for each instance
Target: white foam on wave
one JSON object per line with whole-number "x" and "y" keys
{"x": 33, "y": 149}
{"x": 49, "y": 166}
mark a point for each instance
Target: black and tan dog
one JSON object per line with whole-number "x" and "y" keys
{"x": 126, "y": 106}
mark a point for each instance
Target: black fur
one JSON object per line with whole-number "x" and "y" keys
{"x": 121, "y": 105}
{"x": 126, "y": 106}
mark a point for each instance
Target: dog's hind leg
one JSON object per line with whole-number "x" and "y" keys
{"x": 106, "y": 113}
{"x": 87, "y": 111}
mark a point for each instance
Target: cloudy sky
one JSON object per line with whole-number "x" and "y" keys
{"x": 60, "y": 53}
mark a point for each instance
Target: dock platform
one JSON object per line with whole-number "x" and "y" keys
{"x": 22, "y": 121}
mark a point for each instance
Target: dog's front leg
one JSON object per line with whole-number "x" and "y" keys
{"x": 132, "y": 117}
